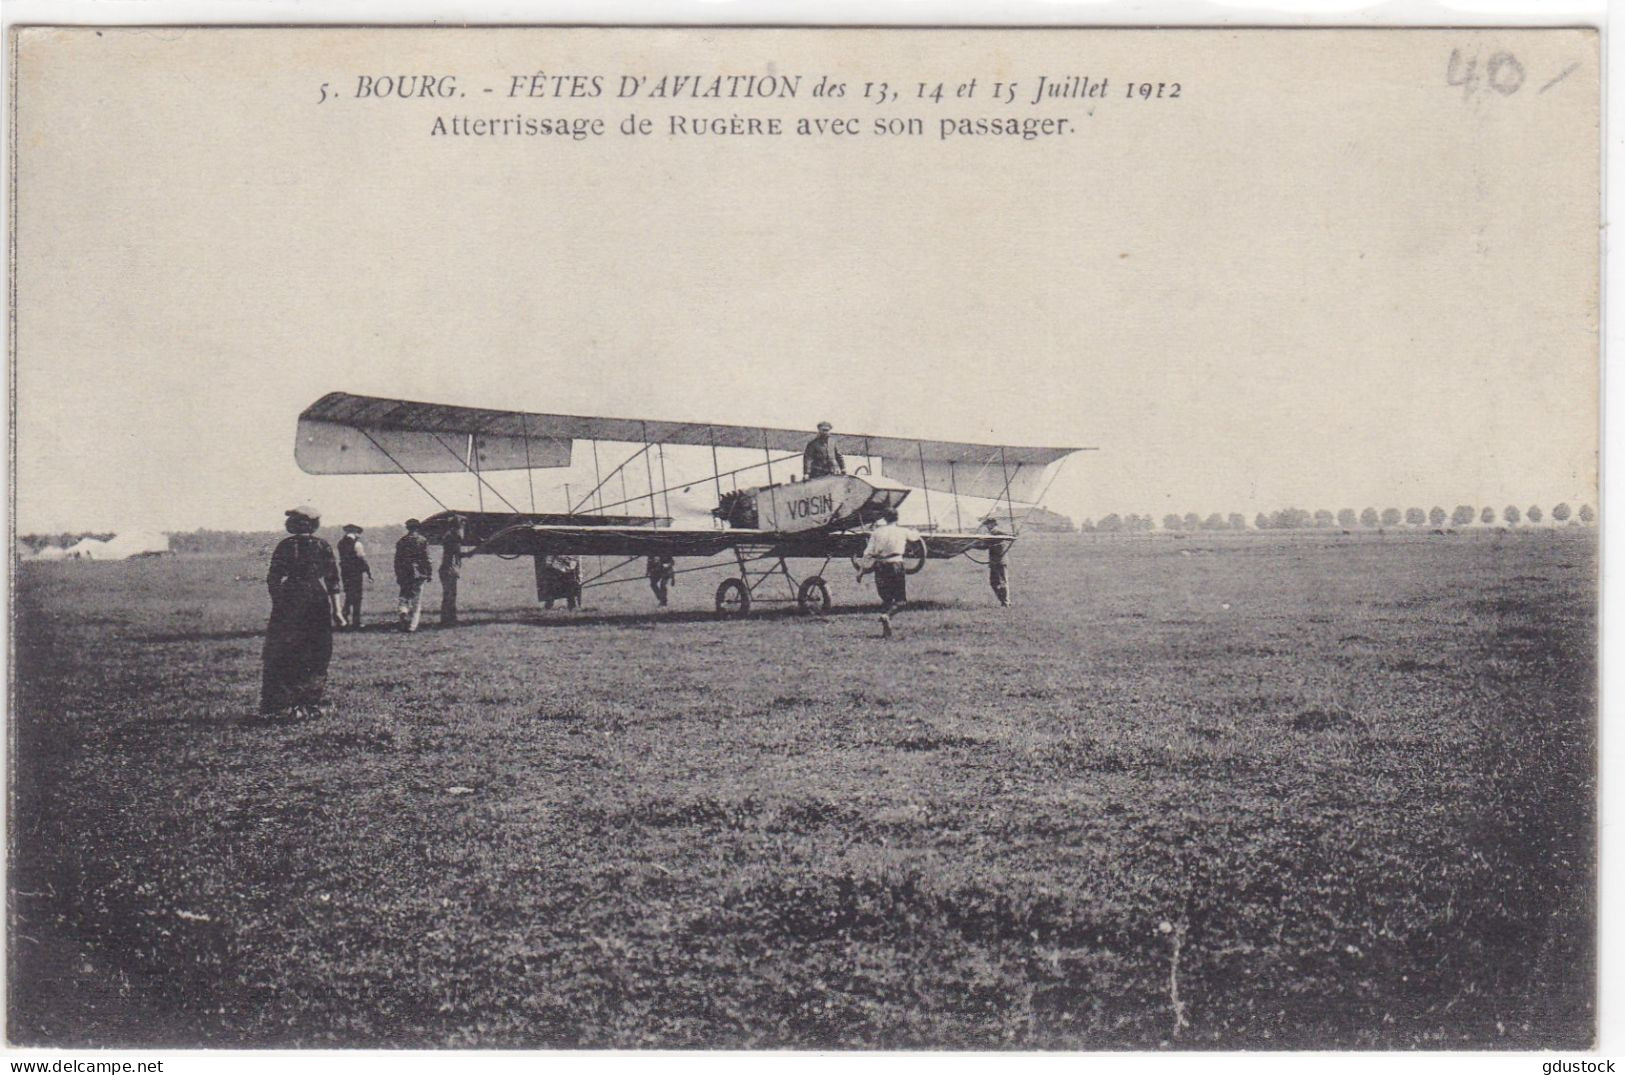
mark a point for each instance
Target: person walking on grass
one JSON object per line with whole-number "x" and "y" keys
{"x": 412, "y": 570}
{"x": 304, "y": 586}
{"x": 888, "y": 543}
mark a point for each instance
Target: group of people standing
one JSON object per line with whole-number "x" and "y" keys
{"x": 306, "y": 581}
{"x": 889, "y": 541}
{"x": 307, "y": 578}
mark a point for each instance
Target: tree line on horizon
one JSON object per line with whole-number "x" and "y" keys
{"x": 243, "y": 541}
{"x": 36, "y": 542}
{"x": 194, "y": 541}
{"x": 1344, "y": 519}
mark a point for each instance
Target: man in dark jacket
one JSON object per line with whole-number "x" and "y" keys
{"x": 661, "y": 570}
{"x": 998, "y": 572}
{"x": 821, "y": 457}
{"x": 353, "y": 568}
{"x": 412, "y": 570}
{"x": 451, "y": 558}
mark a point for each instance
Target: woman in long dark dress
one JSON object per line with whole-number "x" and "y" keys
{"x": 304, "y": 585}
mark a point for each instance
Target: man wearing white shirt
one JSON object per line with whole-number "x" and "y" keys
{"x": 888, "y": 543}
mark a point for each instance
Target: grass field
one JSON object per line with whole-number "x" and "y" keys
{"x": 1223, "y": 792}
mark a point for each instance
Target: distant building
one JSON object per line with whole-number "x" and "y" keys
{"x": 123, "y": 546}
{"x": 134, "y": 543}
{"x": 86, "y": 549}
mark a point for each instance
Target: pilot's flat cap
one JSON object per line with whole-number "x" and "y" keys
{"x": 352, "y": 528}
{"x": 304, "y": 511}
{"x": 824, "y": 427}
{"x": 413, "y": 524}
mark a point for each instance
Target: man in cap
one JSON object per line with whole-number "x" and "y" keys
{"x": 821, "y": 457}
{"x": 353, "y": 567}
{"x": 412, "y": 570}
{"x": 998, "y": 575}
{"x": 888, "y": 543}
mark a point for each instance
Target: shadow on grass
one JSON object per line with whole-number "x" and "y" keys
{"x": 242, "y": 635}
{"x": 584, "y": 618}
{"x": 786, "y": 611}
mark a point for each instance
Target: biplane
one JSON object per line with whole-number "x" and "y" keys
{"x": 753, "y": 532}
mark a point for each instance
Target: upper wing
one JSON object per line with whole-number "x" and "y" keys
{"x": 347, "y": 434}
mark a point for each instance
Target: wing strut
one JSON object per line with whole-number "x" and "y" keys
{"x": 620, "y": 469}
{"x": 1009, "y": 507}
{"x": 930, "y": 523}
{"x": 530, "y": 473}
{"x": 767, "y": 453}
{"x": 719, "y": 475}
{"x": 716, "y": 467}
{"x": 665, "y": 486}
{"x": 649, "y": 469}
{"x": 599, "y": 477}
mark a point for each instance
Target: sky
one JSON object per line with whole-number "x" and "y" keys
{"x": 1324, "y": 276}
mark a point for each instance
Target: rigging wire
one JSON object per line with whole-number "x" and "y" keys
{"x": 649, "y": 470}
{"x": 530, "y": 472}
{"x": 665, "y": 490}
{"x": 925, "y": 483}
{"x": 723, "y": 474}
{"x": 453, "y": 453}
{"x": 1045, "y": 491}
{"x": 402, "y": 469}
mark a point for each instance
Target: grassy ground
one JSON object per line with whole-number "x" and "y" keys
{"x": 1217, "y": 792}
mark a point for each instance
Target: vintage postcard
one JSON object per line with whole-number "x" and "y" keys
{"x": 792, "y": 538}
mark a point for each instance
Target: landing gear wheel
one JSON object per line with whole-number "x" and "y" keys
{"x": 732, "y": 598}
{"x": 914, "y": 563}
{"x": 813, "y": 597}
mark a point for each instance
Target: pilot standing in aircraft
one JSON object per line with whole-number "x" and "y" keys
{"x": 412, "y": 570}
{"x": 821, "y": 457}
{"x": 451, "y": 556}
{"x": 352, "y": 568}
{"x": 998, "y": 575}
{"x": 888, "y": 542}
{"x": 304, "y": 585}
